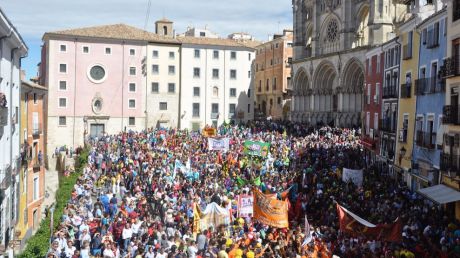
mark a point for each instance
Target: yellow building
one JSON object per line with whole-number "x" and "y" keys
{"x": 409, "y": 39}
{"x": 32, "y": 173}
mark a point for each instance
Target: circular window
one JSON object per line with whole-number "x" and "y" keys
{"x": 332, "y": 30}
{"x": 97, "y": 105}
{"x": 97, "y": 73}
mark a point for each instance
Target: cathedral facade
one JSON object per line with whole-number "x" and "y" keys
{"x": 331, "y": 38}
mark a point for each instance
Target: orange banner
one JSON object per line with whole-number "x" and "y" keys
{"x": 270, "y": 211}
{"x": 209, "y": 132}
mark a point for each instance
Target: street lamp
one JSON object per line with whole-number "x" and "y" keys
{"x": 402, "y": 153}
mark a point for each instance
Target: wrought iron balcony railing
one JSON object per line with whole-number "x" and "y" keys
{"x": 426, "y": 139}
{"x": 450, "y": 115}
{"x": 430, "y": 85}
{"x": 451, "y": 67}
{"x": 406, "y": 90}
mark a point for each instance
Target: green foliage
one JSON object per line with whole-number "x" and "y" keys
{"x": 38, "y": 244}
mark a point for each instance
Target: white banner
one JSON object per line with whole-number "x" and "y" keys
{"x": 221, "y": 144}
{"x": 355, "y": 176}
{"x": 245, "y": 206}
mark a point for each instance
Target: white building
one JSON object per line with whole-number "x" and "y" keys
{"x": 200, "y": 33}
{"x": 216, "y": 81}
{"x": 12, "y": 49}
{"x": 163, "y": 77}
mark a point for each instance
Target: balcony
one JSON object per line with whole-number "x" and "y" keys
{"x": 426, "y": 140}
{"x": 451, "y": 67}
{"x": 406, "y": 90}
{"x": 430, "y": 85}
{"x": 37, "y": 130}
{"x": 407, "y": 52}
{"x": 449, "y": 162}
{"x": 450, "y": 115}
{"x": 214, "y": 115}
{"x": 369, "y": 142}
{"x": 386, "y": 125}
{"x": 390, "y": 92}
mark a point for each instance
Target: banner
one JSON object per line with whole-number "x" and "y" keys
{"x": 270, "y": 211}
{"x": 356, "y": 226}
{"x": 196, "y": 220}
{"x": 308, "y": 233}
{"x": 221, "y": 144}
{"x": 355, "y": 176}
{"x": 214, "y": 216}
{"x": 245, "y": 206}
{"x": 260, "y": 149}
{"x": 209, "y": 132}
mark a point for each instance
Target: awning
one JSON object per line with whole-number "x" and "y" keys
{"x": 440, "y": 194}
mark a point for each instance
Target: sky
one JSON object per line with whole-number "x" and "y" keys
{"x": 33, "y": 18}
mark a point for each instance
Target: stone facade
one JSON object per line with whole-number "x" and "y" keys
{"x": 330, "y": 42}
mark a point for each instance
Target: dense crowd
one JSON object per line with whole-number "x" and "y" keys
{"x": 131, "y": 201}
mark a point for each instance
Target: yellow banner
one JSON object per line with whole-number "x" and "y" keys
{"x": 270, "y": 211}
{"x": 209, "y": 132}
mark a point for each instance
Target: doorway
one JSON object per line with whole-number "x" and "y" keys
{"x": 96, "y": 130}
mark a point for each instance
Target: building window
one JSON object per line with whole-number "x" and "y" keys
{"x": 215, "y": 91}
{"x": 171, "y": 70}
{"x": 215, "y": 73}
{"x": 155, "y": 54}
{"x": 171, "y": 87}
{"x": 233, "y": 55}
{"x": 63, "y": 48}
{"x": 249, "y": 93}
{"x": 378, "y": 64}
{"x": 155, "y": 87}
{"x": 196, "y": 110}
{"x": 132, "y": 71}
{"x": 172, "y": 55}
{"x": 132, "y": 103}
{"x": 163, "y": 106}
{"x": 202, "y": 34}
{"x": 132, "y": 52}
{"x": 108, "y": 50}
{"x": 155, "y": 69}
{"x": 196, "y": 72}
{"x": 232, "y": 74}
{"x": 215, "y": 108}
{"x": 197, "y": 53}
{"x": 274, "y": 83}
{"x": 249, "y": 74}
{"x": 35, "y": 98}
{"x": 267, "y": 87}
{"x": 249, "y": 108}
{"x": 215, "y": 54}
{"x": 249, "y": 56}
{"x": 131, "y": 121}
{"x": 196, "y": 91}
{"x": 36, "y": 189}
{"x": 62, "y": 102}
{"x": 63, "y": 68}
{"x": 62, "y": 85}
{"x": 231, "y": 111}
{"x": 132, "y": 87}
{"x": 279, "y": 101}
{"x": 276, "y": 45}
{"x": 86, "y": 49}
{"x": 62, "y": 121}
{"x": 232, "y": 92}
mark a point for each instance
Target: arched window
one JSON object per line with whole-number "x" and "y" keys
{"x": 215, "y": 91}
{"x": 165, "y": 30}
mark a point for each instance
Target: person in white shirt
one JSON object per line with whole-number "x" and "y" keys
{"x": 126, "y": 235}
{"x": 108, "y": 252}
{"x": 70, "y": 250}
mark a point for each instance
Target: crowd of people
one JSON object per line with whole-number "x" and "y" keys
{"x": 132, "y": 201}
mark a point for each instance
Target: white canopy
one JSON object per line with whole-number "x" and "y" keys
{"x": 440, "y": 194}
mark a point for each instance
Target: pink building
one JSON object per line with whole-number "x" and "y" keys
{"x": 96, "y": 82}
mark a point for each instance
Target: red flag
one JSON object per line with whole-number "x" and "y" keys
{"x": 355, "y": 225}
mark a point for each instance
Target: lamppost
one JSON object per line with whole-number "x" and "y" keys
{"x": 402, "y": 153}
{"x": 51, "y": 222}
